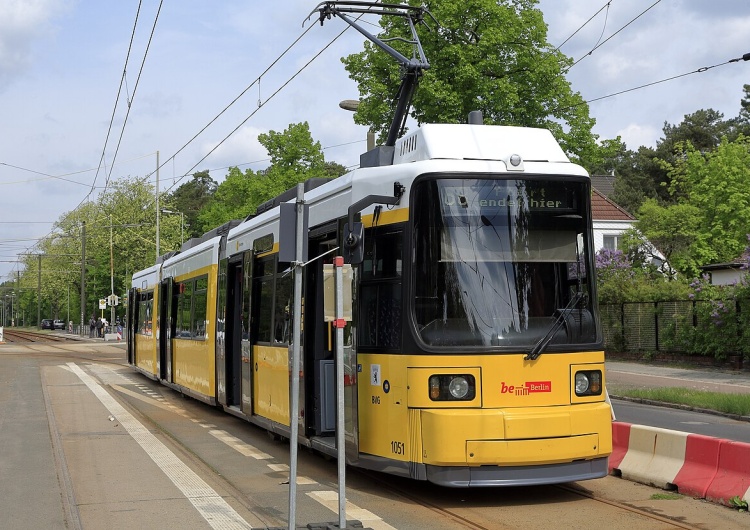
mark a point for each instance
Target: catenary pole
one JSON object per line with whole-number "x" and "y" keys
{"x": 297, "y": 337}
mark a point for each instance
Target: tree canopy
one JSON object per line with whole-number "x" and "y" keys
{"x": 190, "y": 197}
{"x": 486, "y": 55}
{"x": 295, "y": 157}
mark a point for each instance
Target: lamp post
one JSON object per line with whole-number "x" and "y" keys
{"x": 182, "y": 224}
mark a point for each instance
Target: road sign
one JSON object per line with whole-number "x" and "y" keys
{"x": 102, "y": 303}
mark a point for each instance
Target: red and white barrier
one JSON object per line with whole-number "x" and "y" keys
{"x": 699, "y": 466}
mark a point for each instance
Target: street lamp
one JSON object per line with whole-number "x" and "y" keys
{"x": 182, "y": 224}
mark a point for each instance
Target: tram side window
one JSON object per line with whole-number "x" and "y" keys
{"x": 145, "y": 313}
{"x": 272, "y": 299}
{"x": 200, "y": 308}
{"x": 380, "y": 290}
{"x": 263, "y": 297}
{"x": 192, "y": 306}
{"x": 282, "y": 322}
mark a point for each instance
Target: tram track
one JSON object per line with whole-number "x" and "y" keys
{"x": 632, "y": 509}
{"x": 480, "y": 509}
{"x": 413, "y": 495}
{"x": 17, "y": 336}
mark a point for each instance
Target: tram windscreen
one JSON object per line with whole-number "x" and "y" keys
{"x": 502, "y": 262}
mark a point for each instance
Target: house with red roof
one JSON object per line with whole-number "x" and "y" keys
{"x": 610, "y": 221}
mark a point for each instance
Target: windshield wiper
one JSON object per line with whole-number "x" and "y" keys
{"x": 540, "y": 346}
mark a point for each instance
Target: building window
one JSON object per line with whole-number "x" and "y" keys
{"x": 610, "y": 242}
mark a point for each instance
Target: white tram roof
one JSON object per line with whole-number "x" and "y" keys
{"x": 202, "y": 255}
{"x": 147, "y": 278}
{"x": 430, "y": 148}
{"x": 478, "y": 142}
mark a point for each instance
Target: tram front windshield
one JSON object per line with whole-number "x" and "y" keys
{"x": 503, "y": 263}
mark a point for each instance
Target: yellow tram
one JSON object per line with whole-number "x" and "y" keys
{"x": 474, "y": 353}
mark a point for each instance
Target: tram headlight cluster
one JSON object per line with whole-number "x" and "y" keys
{"x": 452, "y": 387}
{"x": 588, "y": 383}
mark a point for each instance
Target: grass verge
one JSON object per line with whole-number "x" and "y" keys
{"x": 738, "y": 404}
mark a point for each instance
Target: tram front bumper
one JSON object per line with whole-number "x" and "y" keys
{"x": 513, "y": 437}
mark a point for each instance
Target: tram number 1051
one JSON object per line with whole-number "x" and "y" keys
{"x": 397, "y": 448}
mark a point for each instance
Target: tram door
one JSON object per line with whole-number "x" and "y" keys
{"x": 319, "y": 341}
{"x": 164, "y": 329}
{"x": 243, "y": 320}
{"x": 232, "y": 335}
{"x": 131, "y": 323}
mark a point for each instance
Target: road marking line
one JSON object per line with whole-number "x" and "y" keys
{"x": 215, "y": 510}
{"x": 239, "y": 446}
{"x": 330, "y": 499}
{"x": 304, "y": 481}
{"x": 151, "y": 401}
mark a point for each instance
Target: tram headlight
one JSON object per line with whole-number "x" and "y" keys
{"x": 459, "y": 387}
{"x": 452, "y": 387}
{"x": 588, "y": 383}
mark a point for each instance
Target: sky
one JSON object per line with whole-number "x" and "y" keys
{"x": 66, "y": 108}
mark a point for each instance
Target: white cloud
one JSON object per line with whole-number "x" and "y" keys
{"x": 635, "y": 135}
{"x": 21, "y": 24}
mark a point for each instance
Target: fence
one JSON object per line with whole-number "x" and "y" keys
{"x": 712, "y": 328}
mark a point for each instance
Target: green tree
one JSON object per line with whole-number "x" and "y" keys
{"x": 233, "y": 199}
{"x": 486, "y": 55}
{"x": 644, "y": 173}
{"x": 675, "y": 231}
{"x": 715, "y": 183}
{"x": 120, "y": 237}
{"x": 295, "y": 157}
{"x": 334, "y": 170}
{"x": 190, "y": 198}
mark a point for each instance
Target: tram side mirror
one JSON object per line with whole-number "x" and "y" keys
{"x": 354, "y": 243}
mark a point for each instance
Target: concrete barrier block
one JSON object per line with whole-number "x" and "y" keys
{"x": 733, "y": 473}
{"x": 654, "y": 456}
{"x": 620, "y": 439}
{"x": 110, "y": 336}
{"x": 701, "y": 464}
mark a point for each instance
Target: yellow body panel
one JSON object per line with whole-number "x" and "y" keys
{"x": 523, "y": 412}
{"x": 271, "y": 382}
{"x": 145, "y": 353}
{"x": 517, "y": 435}
{"x": 387, "y": 217}
{"x": 194, "y": 360}
{"x": 146, "y": 345}
{"x": 530, "y": 452}
{"x": 193, "y": 365}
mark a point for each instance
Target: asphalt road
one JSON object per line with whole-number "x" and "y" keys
{"x": 635, "y": 375}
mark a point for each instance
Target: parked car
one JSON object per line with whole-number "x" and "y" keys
{"x": 59, "y": 324}
{"x": 48, "y": 323}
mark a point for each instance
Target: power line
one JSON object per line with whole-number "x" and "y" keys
{"x": 47, "y": 176}
{"x": 135, "y": 88}
{"x": 130, "y": 100}
{"x": 585, "y": 24}
{"x": 745, "y": 57}
{"x": 117, "y": 98}
{"x": 613, "y": 35}
{"x": 260, "y": 103}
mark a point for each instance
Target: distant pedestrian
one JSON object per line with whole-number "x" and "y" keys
{"x": 92, "y": 327}
{"x": 99, "y": 327}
